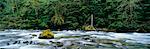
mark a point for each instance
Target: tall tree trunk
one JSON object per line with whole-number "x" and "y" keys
{"x": 92, "y": 20}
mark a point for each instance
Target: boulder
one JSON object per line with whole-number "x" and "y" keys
{"x": 46, "y": 34}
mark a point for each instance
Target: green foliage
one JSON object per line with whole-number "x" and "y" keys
{"x": 57, "y": 19}
{"x": 126, "y": 15}
{"x": 73, "y": 14}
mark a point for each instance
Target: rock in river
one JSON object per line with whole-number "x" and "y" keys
{"x": 46, "y": 34}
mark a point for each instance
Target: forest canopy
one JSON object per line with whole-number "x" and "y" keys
{"x": 74, "y": 14}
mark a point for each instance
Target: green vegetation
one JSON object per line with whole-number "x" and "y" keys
{"x": 74, "y": 14}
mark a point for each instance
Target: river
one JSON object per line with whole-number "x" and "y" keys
{"x": 24, "y": 39}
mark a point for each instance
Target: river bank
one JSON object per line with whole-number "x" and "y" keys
{"x": 99, "y": 29}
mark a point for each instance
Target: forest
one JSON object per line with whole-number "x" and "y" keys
{"x": 75, "y": 14}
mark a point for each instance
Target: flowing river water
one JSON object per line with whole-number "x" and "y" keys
{"x": 27, "y": 39}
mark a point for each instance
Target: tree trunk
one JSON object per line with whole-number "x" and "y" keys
{"x": 92, "y": 20}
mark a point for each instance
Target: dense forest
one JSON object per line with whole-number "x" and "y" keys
{"x": 75, "y": 14}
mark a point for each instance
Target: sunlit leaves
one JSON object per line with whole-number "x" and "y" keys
{"x": 57, "y": 19}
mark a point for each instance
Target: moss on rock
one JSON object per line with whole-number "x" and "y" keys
{"x": 88, "y": 28}
{"x": 46, "y": 34}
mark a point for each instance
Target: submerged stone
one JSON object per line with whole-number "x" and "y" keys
{"x": 34, "y": 35}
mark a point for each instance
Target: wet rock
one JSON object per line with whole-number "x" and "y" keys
{"x": 15, "y": 42}
{"x": 86, "y": 38}
{"x": 59, "y": 44}
{"x": 98, "y": 46}
{"x": 2, "y": 30}
{"x": 92, "y": 40}
{"x": 31, "y": 42}
{"x": 8, "y": 44}
{"x": 26, "y": 42}
{"x": 119, "y": 45}
{"x": 34, "y": 35}
{"x": 51, "y": 41}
